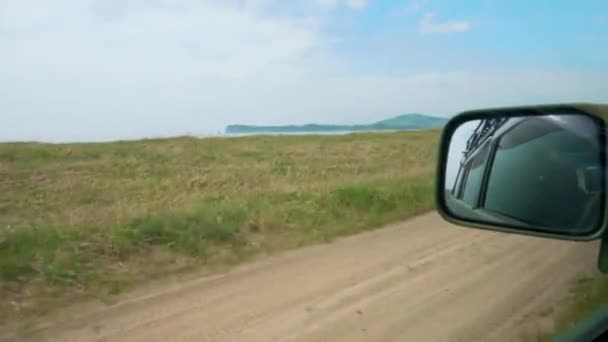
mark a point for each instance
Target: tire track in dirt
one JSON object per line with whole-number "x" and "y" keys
{"x": 418, "y": 280}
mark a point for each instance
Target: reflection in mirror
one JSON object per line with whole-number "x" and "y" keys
{"x": 530, "y": 172}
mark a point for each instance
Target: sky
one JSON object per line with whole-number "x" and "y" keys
{"x": 99, "y": 70}
{"x": 458, "y": 144}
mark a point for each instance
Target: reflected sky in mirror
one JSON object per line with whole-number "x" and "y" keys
{"x": 458, "y": 144}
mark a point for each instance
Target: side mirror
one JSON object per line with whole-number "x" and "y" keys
{"x": 528, "y": 170}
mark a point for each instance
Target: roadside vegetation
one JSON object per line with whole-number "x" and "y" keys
{"x": 89, "y": 220}
{"x": 588, "y": 295}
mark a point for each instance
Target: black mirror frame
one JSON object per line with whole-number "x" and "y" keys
{"x": 463, "y": 117}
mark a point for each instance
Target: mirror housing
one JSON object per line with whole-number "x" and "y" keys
{"x": 490, "y": 162}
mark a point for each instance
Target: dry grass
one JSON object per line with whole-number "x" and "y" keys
{"x": 87, "y": 219}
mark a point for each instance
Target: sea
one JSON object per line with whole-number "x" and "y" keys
{"x": 304, "y": 133}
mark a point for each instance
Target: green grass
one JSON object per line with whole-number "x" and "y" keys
{"x": 587, "y": 296}
{"x": 89, "y": 220}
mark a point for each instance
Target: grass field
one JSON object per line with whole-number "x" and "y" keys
{"x": 80, "y": 220}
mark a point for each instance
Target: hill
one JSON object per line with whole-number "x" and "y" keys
{"x": 401, "y": 122}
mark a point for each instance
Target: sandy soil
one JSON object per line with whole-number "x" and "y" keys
{"x": 420, "y": 280}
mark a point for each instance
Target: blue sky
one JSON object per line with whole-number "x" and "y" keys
{"x": 95, "y": 70}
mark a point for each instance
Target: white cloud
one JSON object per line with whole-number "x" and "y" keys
{"x": 356, "y": 4}
{"x": 330, "y": 4}
{"x": 353, "y": 4}
{"x": 202, "y": 39}
{"x": 415, "y": 6}
{"x": 428, "y": 25}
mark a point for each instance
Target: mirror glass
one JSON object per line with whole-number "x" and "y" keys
{"x": 541, "y": 173}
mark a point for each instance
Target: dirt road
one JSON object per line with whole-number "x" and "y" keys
{"x": 421, "y": 280}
